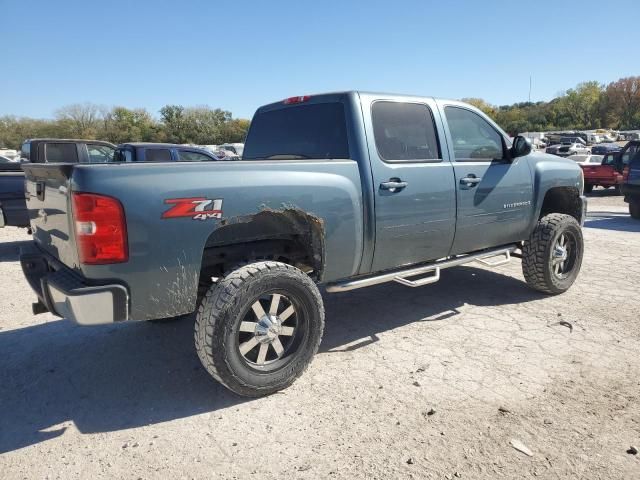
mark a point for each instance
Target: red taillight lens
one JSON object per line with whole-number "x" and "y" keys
{"x": 101, "y": 229}
{"x": 290, "y": 100}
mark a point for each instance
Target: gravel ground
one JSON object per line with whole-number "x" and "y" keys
{"x": 429, "y": 383}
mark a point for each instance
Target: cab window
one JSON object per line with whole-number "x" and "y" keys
{"x": 185, "y": 156}
{"x": 473, "y": 137}
{"x": 100, "y": 153}
{"x": 157, "y": 155}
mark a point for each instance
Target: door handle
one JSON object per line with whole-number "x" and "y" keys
{"x": 393, "y": 185}
{"x": 470, "y": 181}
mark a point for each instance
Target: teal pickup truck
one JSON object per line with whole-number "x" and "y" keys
{"x": 342, "y": 190}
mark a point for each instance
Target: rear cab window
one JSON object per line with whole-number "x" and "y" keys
{"x": 304, "y": 131}
{"x": 25, "y": 151}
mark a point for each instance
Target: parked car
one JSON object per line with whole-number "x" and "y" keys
{"x": 347, "y": 190}
{"x": 586, "y": 159}
{"x": 628, "y": 164}
{"x": 604, "y": 148}
{"x": 162, "y": 152}
{"x": 13, "y": 209}
{"x": 236, "y": 148}
{"x": 603, "y": 175}
{"x": 568, "y": 146}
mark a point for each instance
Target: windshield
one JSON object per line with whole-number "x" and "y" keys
{"x": 301, "y": 132}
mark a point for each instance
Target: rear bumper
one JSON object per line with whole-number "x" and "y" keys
{"x": 65, "y": 294}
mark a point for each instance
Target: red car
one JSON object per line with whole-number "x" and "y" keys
{"x": 603, "y": 175}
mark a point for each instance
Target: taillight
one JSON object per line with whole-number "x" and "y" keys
{"x": 290, "y": 100}
{"x": 101, "y": 229}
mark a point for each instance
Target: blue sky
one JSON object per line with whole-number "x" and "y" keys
{"x": 240, "y": 54}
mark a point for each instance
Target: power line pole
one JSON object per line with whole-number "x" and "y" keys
{"x": 529, "y": 88}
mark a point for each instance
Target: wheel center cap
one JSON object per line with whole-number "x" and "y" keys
{"x": 268, "y": 329}
{"x": 560, "y": 252}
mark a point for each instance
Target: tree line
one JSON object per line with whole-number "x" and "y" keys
{"x": 590, "y": 105}
{"x": 176, "y": 124}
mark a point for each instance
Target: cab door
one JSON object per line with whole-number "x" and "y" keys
{"x": 414, "y": 190}
{"x": 494, "y": 193}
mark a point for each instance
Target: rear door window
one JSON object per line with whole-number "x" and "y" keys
{"x": 404, "y": 131}
{"x": 61, "y": 153}
{"x": 157, "y": 155}
{"x": 100, "y": 153}
{"x": 185, "y": 156}
{"x": 317, "y": 131}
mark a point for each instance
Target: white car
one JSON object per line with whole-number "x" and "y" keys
{"x": 586, "y": 159}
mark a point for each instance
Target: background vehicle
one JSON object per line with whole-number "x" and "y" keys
{"x": 604, "y": 175}
{"x": 605, "y": 148}
{"x": 628, "y": 163}
{"x": 55, "y": 150}
{"x": 236, "y": 148}
{"x": 6, "y": 160}
{"x": 568, "y": 146}
{"x": 586, "y": 159}
{"x": 13, "y": 209}
{"x": 161, "y": 152}
{"x": 344, "y": 189}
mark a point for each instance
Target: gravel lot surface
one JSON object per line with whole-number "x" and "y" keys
{"x": 438, "y": 382}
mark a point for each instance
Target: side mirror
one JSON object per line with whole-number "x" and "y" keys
{"x": 521, "y": 147}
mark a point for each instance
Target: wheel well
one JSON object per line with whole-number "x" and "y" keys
{"x": 562, "y": 200}
{"x": 289, "y": 235}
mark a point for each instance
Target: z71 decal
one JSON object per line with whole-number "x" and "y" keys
{"x": 198, "y": 208}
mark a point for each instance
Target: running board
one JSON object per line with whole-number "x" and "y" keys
{"x": 435, "y": 267}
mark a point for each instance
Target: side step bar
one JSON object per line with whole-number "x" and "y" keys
{"x": 401, "y": 276}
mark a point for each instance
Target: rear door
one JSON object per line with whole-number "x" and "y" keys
{"x": 494, "y": 194}
{"x": 414, "y": 191}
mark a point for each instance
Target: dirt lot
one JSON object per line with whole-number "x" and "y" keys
{"x": 428, "y": 383}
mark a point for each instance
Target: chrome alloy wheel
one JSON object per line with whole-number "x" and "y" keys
{"x": 563, "y": 255}
{"x": 264, "y": 337}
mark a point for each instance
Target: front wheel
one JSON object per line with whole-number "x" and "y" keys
{"x": 258, "y": 328}
{"x": 552, "y": 257}
{"x": 634, "y": 208}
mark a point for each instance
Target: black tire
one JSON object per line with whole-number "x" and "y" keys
{"x": 226, "y": 310}
{"x": 588, "y": 188}
{"x": 540, "y": 256}
{"x": 634, "y": 209}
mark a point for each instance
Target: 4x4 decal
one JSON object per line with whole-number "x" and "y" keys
{"x": 198, "y": 208}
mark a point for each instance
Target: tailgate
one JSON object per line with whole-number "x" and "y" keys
{"x": 49, "y": 206}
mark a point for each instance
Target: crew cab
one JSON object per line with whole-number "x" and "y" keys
{"x": 604, "y": 175}
{"x": 343, "y": 190}
{"x": 162, "y": 152}
{"x": 13, "y": 209}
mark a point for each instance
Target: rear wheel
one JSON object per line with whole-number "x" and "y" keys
{"x": 588, "y": 188}
{"x": 634, "y": 208}
{"x": 552, "y": 257}
{"x": 259, "y": 327}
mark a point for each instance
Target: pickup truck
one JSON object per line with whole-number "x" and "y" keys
{"x": 13, "y": 209}
{"x": 161, "y": 152}
{"x": 342, "y": 190}
{"x": 604, "y": 175}
{"x": 628, "y": 164}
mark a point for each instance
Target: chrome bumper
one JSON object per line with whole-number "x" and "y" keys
{"x": 62, "y": 292}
